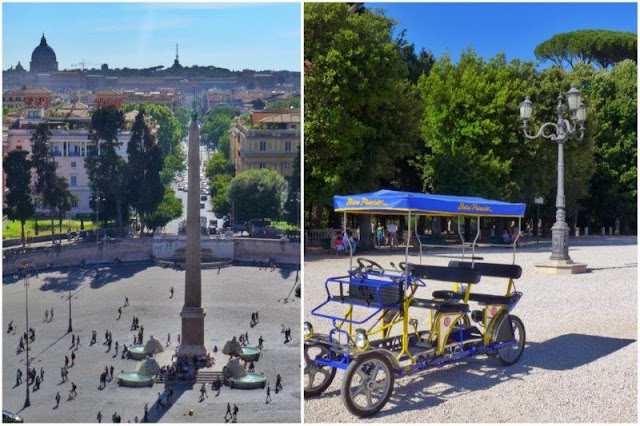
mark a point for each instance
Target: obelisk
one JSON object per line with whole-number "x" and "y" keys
{"x": 192, "y": 313}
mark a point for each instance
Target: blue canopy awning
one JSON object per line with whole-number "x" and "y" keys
{"x": 402, "y": 203}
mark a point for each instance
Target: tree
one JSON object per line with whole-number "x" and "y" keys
{"x": 292, "y": 204}
{"x": 184, "y": 117}
{"x": 145, "y": 162}
{"x": 220, "y": 194}
{"x": 169, "y": 127}
{"x": 173, "y": 164}
{"x": 257, "y": 194}
{"x": 216, "y": 125}
{"x": 218, "y": 165}
{"x": 106, "y": 169}
{"x": 19, "y": 205}
{"x": 293, "y": 102}
{"x": 361, "y": 113}
{"x": 64, "y": 199}
{"x": 45, "y": 168}
{"x": 601, "y": 47}
{"x": 170, "y": 208}
{"x": 613, "y": 118}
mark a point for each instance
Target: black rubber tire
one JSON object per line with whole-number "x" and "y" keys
{"x": 317, "y": 391}
{"x": 350, "y": 373}
{"x": 517, "y": 323}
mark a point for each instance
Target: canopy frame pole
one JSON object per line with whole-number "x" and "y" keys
{"x": 344, "y": 234}
{"x": 417, "y": 236}
{"x": 515, "y": 242}
{"x": 461, "y": 236}
{"x": 473, "y": 245}
{"x": 406, "y": 249}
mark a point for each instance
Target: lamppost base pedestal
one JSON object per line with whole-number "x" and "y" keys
{"x": 560, "y": 267}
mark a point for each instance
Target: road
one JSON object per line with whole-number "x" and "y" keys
{"x": 172, "y": 227}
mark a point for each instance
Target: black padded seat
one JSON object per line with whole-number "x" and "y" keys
{"x": 487, "y": 299}
{"x": 444, "y": 273}
{"x": 439, "y": 305}
{"x": 498, "y": 270}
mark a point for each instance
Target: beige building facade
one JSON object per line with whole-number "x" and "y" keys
{"x": 272, "y": 142}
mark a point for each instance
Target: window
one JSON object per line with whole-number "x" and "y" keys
{"x": 19, "y": 147}
{"x": 73, "y": 164}
{"x": 263, "y": 146}
{"x": 287, "y": 146}
{"x": 263, "y": 166}
{"x": 287, "y": 166}
{"x": 74, "y": 203}
{"x": 74, "y": 180}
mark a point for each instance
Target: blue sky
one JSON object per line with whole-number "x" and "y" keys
{"x": 234, "y": 36}
{"x": 511, "y": 28}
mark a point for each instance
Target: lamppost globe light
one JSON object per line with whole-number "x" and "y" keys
{"x": 573, "y": 99}
{"x": 581, "y": 114}
{"x": 526, "y": 109}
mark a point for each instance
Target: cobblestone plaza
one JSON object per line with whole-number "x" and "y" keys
{"x": 229, "y": 296}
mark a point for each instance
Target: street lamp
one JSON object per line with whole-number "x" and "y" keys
{"x": 70, "y": 328}
{"x": 25, "y": 265}
{"x": 560, "y": 132}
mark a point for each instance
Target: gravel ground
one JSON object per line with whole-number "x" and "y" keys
{"x": 579, "y": 365}
{"x": 229, "y": 299}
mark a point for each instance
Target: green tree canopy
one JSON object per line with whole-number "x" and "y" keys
{"x": 18, "y": 203}
{"x": 257, "y": 194}
{"x": 216, "y": 125}
{"x": 218, "y": 165}
{"x": 601, "y": 47}
{"x": 361, "y": 112}
{"x": 170, "y": 208}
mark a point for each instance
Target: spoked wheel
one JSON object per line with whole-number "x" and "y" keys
{"x": 367, "y": 385}
{"x": 317, "y": 378}
{"x": 511, "y": 354}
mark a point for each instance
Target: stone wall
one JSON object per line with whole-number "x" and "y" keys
{"x": 128, "y": 250}
{"x": 256, "y": 250}
{"x": 165, "y": 246}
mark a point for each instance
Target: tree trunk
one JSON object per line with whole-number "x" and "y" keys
{"x": 53, "y": 225}
{"x": 436, "y": 227}
{"x": 366, "y": 236}
{"x": 22, "y": 233}
{"x": 315, "y": 218}
{"x": 36, "y": 226}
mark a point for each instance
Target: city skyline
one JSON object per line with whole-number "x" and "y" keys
{"x": 155, "y": 29}
{"x": 492, "y": 28}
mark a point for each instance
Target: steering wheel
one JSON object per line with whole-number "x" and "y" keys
{"x": 369, "y": 265}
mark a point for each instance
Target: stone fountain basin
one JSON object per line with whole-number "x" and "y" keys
{"x": 137, "y": 352}
{"x": 250, "y": 354}
{"x": 134, "y": 380}
{"x": 250, "y": 381}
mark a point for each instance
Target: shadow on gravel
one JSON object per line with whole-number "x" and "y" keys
{"x": 80, "y": 278}
{"x": 436, "y": 386}
{"x": 156, "y": 412}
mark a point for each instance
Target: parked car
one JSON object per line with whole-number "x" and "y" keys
{"x": 9, "y": 417}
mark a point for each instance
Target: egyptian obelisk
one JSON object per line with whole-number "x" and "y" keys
{"x": 192, "y": 313}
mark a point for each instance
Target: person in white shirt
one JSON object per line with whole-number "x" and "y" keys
{"x": 392, "y": 230}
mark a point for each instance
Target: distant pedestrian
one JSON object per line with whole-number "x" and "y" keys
{"x": 119, "y": 313}
{"x": 18, "y": 377}
{"x": 228, "y": 413}
{"x": 111, "y": 372}
{"x": 51, "y": 315}
{"x": 93, "y": 337}
{"x": 73, "y": 340}
{"x": 103, "y": 380}
{"x": 57, "y": 399}
{"x": 77, "y": 341}
{"x": 99, "y": 417}
{"x": 146, "y": 413}
{"x": 171, "y": 291}
{"x": 46, "y": 315}
{"x": 203, "y": 392}
{"x": 126, "y": 301}
{"x": 135, "y": 419}
{"x": 73, "y": 359}
{"x": 117, "y": 344}
{"x": 159, "y": 401}
{"x": 178, "y": 338}
{"x": 168, "y": 339}
{"x": 268, "y": 400}
{"x": 109, "y": 346}
{"x": 73, "y": 391}
{"x": 278, "y": 383}
{"x": 42, "y": 373}
{"x": 66, "y": 361}
{"x": 260, "y": 342}
{"x": 235, "y": 413}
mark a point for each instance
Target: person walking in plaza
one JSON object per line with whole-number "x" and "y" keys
{"x": 77, "y": 341}
{"x": 73, "y": 358}
{"x": 203, "y": 392}
{"x": 117, "y": 345}
{"x": 119, "y": 313}
{"x": 73, "y": 391}
{"x": 145, "y": 418}
{"x": 228, "y": 413}
{"x": 159, "y": 401}
{"x": 36, "y": 386}
{"x": 392, "y": 230}
{"x": 21, "y": 345}
{"x": 260, "y": 342}
{"x": 99, "y": 417}
{"x": 57, "y": 399}
{"x": 111, "y": 373}
{"x": 46, "y": 315}
{"x": 171, "y": 291}
{"x": 268, "y": 395}
{"x": 41, "y": 373}
{"x": 73, "y": 340}
{"x": 235, "y": 413}
{"x": 278, "y": 383}
{"x": 66, "y": 361}
{"x": 51, "y": 314}
{"x": 168, "y": 339}
{"x": 18, "y": 377}
{"x": 380, "y": 235}
{"x": 126, "y": 301}
{"x": 103, "y": 380}
{"x": 94, "y": 336}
